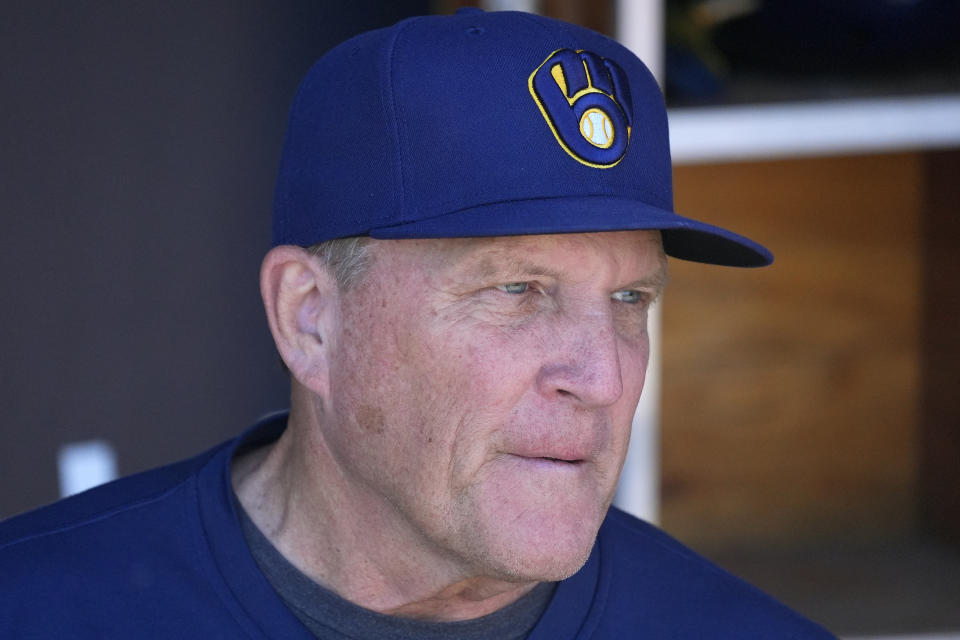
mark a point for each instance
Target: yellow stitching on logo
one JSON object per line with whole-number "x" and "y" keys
{"x": 557, "y": 71}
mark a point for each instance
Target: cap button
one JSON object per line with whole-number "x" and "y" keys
{"x": 467, "y": 11}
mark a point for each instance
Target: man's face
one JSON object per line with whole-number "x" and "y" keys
{"x": 482, "y": 392}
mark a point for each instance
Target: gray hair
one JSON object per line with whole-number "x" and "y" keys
{"x": 348, "y": 258}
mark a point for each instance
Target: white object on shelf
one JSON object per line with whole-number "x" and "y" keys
{"x": 731, "y": 133}
{"x": 84, "y": 465}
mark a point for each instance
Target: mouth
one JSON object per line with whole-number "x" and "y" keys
{"x": 552, "y": 461}
{"x": 559, "y": 460}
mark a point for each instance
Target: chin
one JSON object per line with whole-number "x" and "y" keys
{"x": 539, "y": 547}
{"x": 553, "y": 567}
{"x": 530, "y": 522}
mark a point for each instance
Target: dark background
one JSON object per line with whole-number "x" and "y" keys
{"x": 138, "y": 147}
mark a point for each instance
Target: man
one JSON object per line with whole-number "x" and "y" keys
{"x": 471, "y": 223}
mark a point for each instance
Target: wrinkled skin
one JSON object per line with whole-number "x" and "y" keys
{"x": 474, "y": 419}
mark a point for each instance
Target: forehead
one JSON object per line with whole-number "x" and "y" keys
{"x": 635, "y": 253}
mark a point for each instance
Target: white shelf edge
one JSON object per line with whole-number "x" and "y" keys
{"x": 731, "y": 133}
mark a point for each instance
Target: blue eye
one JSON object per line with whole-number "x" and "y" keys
{"x": 515, "y": 288}
{"x": 628, "y": 296}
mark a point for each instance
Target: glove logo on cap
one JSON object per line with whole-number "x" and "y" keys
{"x": 586, "y": 102}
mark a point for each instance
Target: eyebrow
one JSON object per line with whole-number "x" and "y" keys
{"x": 657, "y": 280}
{"x": 493, "y": 264}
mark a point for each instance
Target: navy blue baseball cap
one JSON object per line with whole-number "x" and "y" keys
{"x": 484, "y": 124}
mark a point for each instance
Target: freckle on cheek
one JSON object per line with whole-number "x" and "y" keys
{"x": 370, "y": 418}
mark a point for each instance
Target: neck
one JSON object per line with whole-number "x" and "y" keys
{"x": 346, "y": 541}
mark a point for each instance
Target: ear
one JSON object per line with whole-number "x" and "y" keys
{"x": 301, "y": 299}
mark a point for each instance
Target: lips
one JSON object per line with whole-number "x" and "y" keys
{"x": 556, "y": 452}
{"x": 557, "y": 442}
{"x": 547, "y": 466}
{"x": 551, "y": 459}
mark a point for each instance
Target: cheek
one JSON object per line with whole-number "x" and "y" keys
{"x": 473, "y": 380}
{"x": 483, "y": 358}
{"x": 411, "y": 389}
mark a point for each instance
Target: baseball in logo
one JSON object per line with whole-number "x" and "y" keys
{"x": 586, "y": 102}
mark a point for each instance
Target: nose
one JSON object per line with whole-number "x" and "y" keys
{"x": 586, "y": 365}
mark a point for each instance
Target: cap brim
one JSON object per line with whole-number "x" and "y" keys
{"x": 683, "y": 238}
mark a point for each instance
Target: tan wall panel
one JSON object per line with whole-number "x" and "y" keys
{"x": 790, "y": 393}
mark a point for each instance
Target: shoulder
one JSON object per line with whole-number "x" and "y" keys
{"x": 101, "y": 557}
{"x": 675, "y": 592}
{"x": 133, "y": 494}
{"x": 155, "y": 555}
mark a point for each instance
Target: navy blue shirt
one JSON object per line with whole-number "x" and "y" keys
{"x": 162, "y": 555}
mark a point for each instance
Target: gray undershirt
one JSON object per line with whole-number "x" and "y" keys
{"x": 329, "y": 616}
